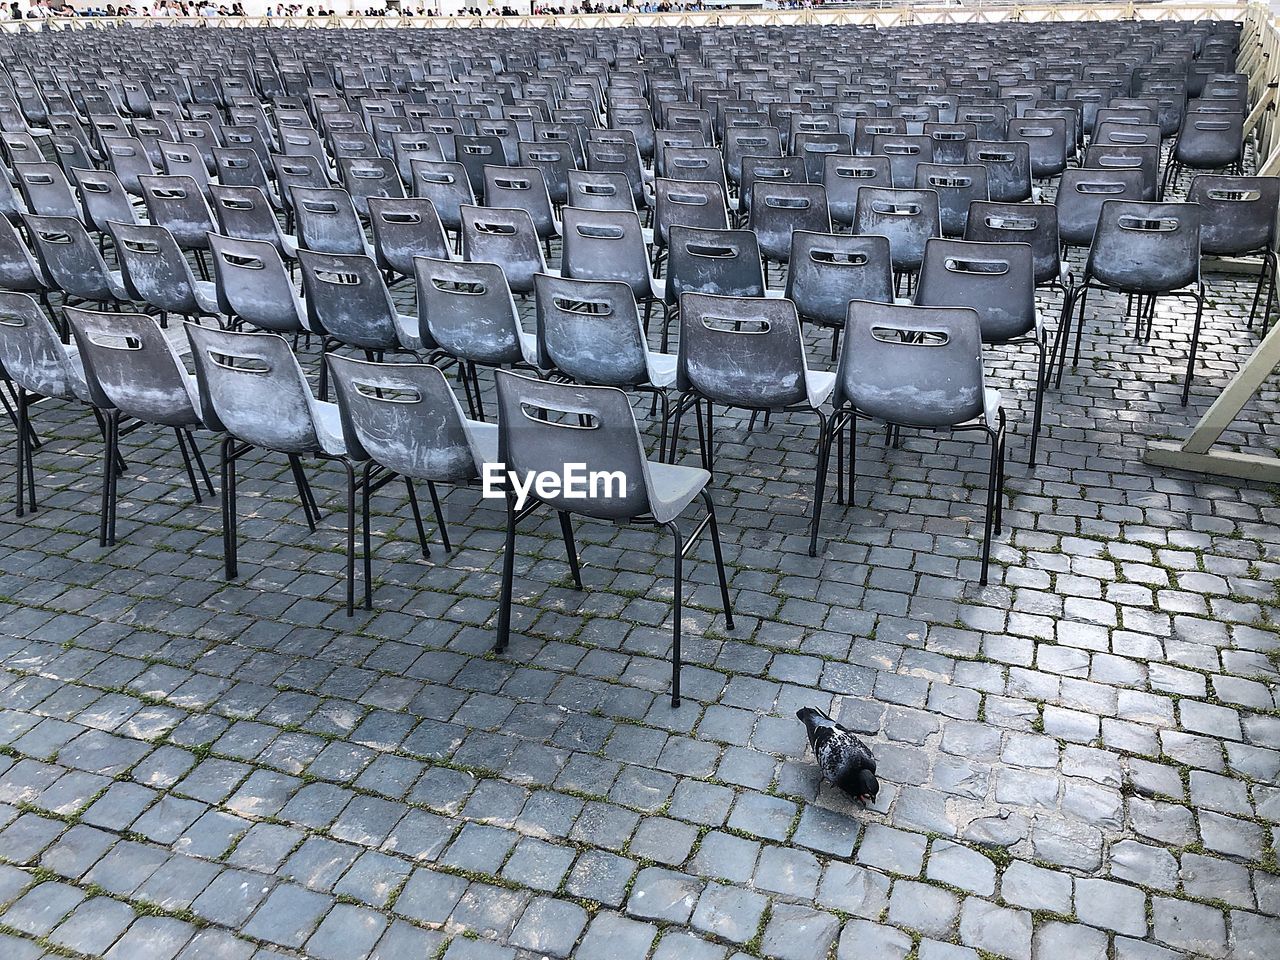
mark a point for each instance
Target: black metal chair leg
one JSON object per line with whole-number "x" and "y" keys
{"x": 1195, "y": 343}
{"x": 195, "y": 454}
{"x": 1042, "y": 347}
{"x": 304, "y": 492}
{"x": 180, "y": 435}
{"x": 229, "y": 507}
{"x": 508, "y": 576}
{"x": 351, "y": 537}
{"x": 108, "y": 471}
{"x": 719, "y": 555}
{"x": 570, "y": 547}
{"x": 676, "y": 613}
{"x": 820, "y": 479}
{"x": 417, "y": 517}
{"x": 992, "y": 493}
{"x": 439, "y": 511}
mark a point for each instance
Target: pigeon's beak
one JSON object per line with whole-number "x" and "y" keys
{"x": 867, "y": 799}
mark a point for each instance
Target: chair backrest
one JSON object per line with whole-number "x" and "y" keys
{"x": 154, "y": 267}
{"x": 957, "y": 185}
{"x": 1118, "y": 157}
{"x": 1081, "y": 194}
{"x": 405, "y": 417}
{"x": 828, "y": 270}
{"x": 252, "y": 284}
{"x": 742, "y": 142}
{"x": 130, "y": 365}
{"x": 506, "y": 236}
{"x": 252, "y": 388}
{"x": 918, "y": 366}
{"x": 327, "y": 221}
{"x": 996, "y": 279}
{"x": 742, "y": 351}
{"x": 183, "y": 160}
{"x": 1118, "y": 133}
{"x": 1032, "y": 223}
{"x": 606, "y": 245}
{"x": 907, "y": 217}
{"x": 905, "y": 153}
{"x": 778, "y": 209}
{"x": 347, "y": 300}
{"x": 618, "y": 156}
{"x": 245, "y": 212}
{"x": 104, "y": 198}
{"x": 600, "y": 190}
{"x": 1008, "y": 164}
{"x": 475, "y": 153}
{"x": 446, "y": 185}
{"x": 177, "y": 203}
{"x": 366, "y": 177}
{"x": 404, "y": 228}
{"x": 590, "y": 331}
{"x": 45, "y": 190}
{"x": 293, "y": 172}
{"x": 466, "y": 308}
{"x": 1046, "y": 139}
{"x": 1210, "y": 141}
{"x": 544, "y": 425}
{"x": 689, "y": 203}
{"x": 18, "y": 268}
{"x": 69, "y": 257}
{"x": 721, "y": 262}
{"x": 410, "y": 145}
{"x": 1143, "y": 247}
{"x": 522, "y": 188}
{"x": 30, "y": 351}
{"x": 844, "y": 176}
{"x": 1238, "y": 214}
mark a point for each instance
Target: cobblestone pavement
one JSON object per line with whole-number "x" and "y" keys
{"x": 1078, "y": 760}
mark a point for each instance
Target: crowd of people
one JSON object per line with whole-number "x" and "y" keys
{"x": 43, "y": 9}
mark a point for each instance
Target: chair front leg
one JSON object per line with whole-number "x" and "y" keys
{"x": 1195, "y": 343}
{"x": 719, "y": 554}
{"x": 826, "y": 425}
{"x": 228, "y": 456}
{"x": 508, "y": 578}
{"x": 676, "y": 612}
{"x": 1042, "y": 346}
{"x": 351, "y": 536}
{"x": 993, "y": 493}
{"x": 417, "y": 518}
{"x": 570, "y": 547}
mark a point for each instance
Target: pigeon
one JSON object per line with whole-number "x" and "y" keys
{"x": 844, "y": 759}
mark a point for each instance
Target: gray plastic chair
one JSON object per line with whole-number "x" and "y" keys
{"x": 828, "y": 270}
{"x": 132, "y": 371}
{"x": 957, "y": 186}
{"x": 1238, "y": 219}
{"x": 45, "y": 190}
{"x": 997, "y": 280}
{"x": 466, "y": 311}
{"x": 368, "y": 177}
{"x": 104, "y": 199}
{"x": 402, "y": 420}
{"x": 506, "y": 236}
{"x": 155, "y": 271}
{"x": 543, "y": 426}
{"x": 178, "y": 204}
{"x": 253, "y": 285}
{"x": 1148, "y": 250}
{"x": 909, "y": 218}
{"x": 38, "y": 366}
{"x": 920, "y": 367}
{"x": 777, "y": 210}
{"x": 246, "y": 212}
{"x": 446, "y": 185}
{"x": 405, "y": 228}
{"x": 609, "y": 245}
{"x": 19, "y": 270}
{"x": 252, "y": 390}
{"x": 327, "y": 221}
{"x": 71, "y": 260}
{"x": 843, "y": 177}
{"x": 523, "y": 188}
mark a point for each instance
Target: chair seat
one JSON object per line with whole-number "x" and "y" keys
{"x": 408, "y": 331}
{"x": 529, "y": 347}
{"x": 115, "y": 281}
{"x": 79, "y": 385}
{"x": 672, "y": 487}
{"x": 206, "y": 293}
{"x": 484, "y": 442}
{"x": 662, "y": 368}
{"x": 991, "y": 407}
{"x": 328, "y": 422}
{"x": 818, "y": 385}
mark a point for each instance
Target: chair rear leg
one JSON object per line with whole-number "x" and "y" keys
{"x": 439, "y": 511}
{"x": 825, "y": 426}
{"x": 1042, "y": 347}
{"x": 570, "y": 547}
{"x": 417, "y": 518}
{"x": 1195, "y": 343}
{"x": 367, "y": 540}
{"x": 228, "y": 456}
{"x": 508, "y": 578}
{"x": 992, "y": 494}
{"x": 309, "y": 509}
{"x": 181, "y": 437}
{"x": 351, "y": 537}
{"x": 719, "y": 555}
{"x": 676, "y": 613}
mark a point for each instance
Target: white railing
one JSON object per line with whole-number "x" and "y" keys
{"x": 870, "y": 15}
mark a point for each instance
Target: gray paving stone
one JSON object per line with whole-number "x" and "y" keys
{"x": 728, "y": 913}
{"x": 796, "y": 932}
{"x": 961, "y": 867}
{"x": 613, "y": 937}
{"x": 930, "y": 910}
{"x": 892, "y": 850}
{"x": 42, "y": 908}
{"x": 1056, "y": 939}
{"x": 288, "y": 915}
{"x": 153, "y": 938}
{"x": 550, "y": 927}
{"x": 346, "y": 931}
{"x": 1112, "y": 906}
{"x": 862, "y": 938}
{"x": 999, "y": 930}
{"x": 663, "y": 895}
{"x": 94, "y": 926}
{"x": 1193, "y": 927}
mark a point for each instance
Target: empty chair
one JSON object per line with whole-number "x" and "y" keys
{"x": 1207, "y": 141}
{"x": 403, "y": 420}
{"x": 724, "y": 263}
{"x": 905, "y": 153}
{"x": 523, "y": 188}
{"x": 1081, "y": 194}
{"x": 600, "y": 190}
{"x": 72, "y": 262}
{"x": 128, "y": 159}
{"x": 104, "y": 199}
{"x": 45, "y": 190}
{"x": 553, "y": 161}
{"x": 447, "y": 187}
{"x": 131, "y": 371}
{"x": 918, "y": 367}
{"x": 595, "y": 426}
{"x": 619, "y": 157}
{"x": 184, "y": 160}
{"x": 253, "y": 391}
{"x": 957, "y": 186}
{"x": 1117, "y": 157}
{"x": 828, "y": 270}
{"x": 997, "y": 280}
{"x": 475, "y": 153}
{"x": 779, "y": 209}
{"x": 1008, "y": 166}
{"x": 253, "y": 285}
{"x": 404, "y": 228}
{"x": 38, "y": 366}
{"x": 294, "y": 172}
{"x": 843, "y": 177}
{"x": 1238, "y": 219}
{"x": 505, "y": 236}
{"x": 687, "y": 203}
{"x": 366, "y": 177}
{"x": 19, "y": 270}
{"x": 466, "y": 310}
{"x": 609, "y": 245}
{"x": 909, "y": 218}
{"x": 245, "y": 212}
{"x": 177, "y": 204}
{"x": 155, "y": 272}
{"x": 327, "y": 221}
{"x": 1149, "y": 250}
{"x": 1046, "y": 139}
